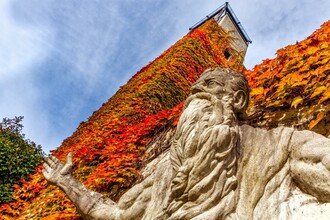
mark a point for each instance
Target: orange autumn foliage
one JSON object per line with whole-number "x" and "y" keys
{"x": 293, "y": 89}
{"x": 109, "y": 147}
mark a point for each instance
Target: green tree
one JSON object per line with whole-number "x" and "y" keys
{"x": 18, "y": 156}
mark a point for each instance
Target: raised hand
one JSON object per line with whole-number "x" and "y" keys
{"x": 54, "y": 169}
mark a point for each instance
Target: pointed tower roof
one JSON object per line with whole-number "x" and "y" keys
{"x": 226, "y": 18}
{"x": 219, "y": 14}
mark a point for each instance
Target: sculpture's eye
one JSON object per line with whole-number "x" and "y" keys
{"x": 212, "y": 83}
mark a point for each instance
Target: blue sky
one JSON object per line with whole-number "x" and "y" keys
{"x": 60, "y": 60}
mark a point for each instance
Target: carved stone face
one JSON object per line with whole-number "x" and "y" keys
{"x": 214, "y": 82}
{"x": 223, "y": 84}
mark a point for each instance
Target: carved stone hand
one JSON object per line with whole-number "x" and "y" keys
{"x": 54, "y": 169}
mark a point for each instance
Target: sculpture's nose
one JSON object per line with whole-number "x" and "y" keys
{"x": 196, "y": 89}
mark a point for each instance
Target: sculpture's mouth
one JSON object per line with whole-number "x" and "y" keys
{"x": 200, "y": 95}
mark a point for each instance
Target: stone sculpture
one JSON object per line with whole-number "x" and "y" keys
{"x": 218, "y": 168}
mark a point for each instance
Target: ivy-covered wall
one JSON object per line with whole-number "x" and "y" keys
{"x": 109, "y": 147}
{"x": 293, "y": 89}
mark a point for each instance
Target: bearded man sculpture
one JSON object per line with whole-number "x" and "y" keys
{"x": 218, "y": 168}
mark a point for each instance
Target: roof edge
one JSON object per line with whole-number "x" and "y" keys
{"x": 221, "y": 11}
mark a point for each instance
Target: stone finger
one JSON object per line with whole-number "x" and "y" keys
{"x": 69, "y": 158}
{"x": 49, "y": 162}
{"x": 47, "y": 168}
{"x": 44, "y": 172}
{"x": 54, "y": 159}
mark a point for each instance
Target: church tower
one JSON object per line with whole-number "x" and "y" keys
{"x": 226, "y": 18}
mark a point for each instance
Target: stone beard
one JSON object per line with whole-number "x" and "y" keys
{"x": 204, "y": 159}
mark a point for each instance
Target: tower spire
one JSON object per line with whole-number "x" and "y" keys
{"x": 227, "y": 19}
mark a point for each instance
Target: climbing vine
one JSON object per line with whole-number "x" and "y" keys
{"x": 294, "y": 88}
{"x": 108, "y": 147}
{"x": 291, "y": 89}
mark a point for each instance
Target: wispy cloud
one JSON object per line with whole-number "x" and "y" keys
{"x": 62, "y": 59}
{"x": 21, "y": 45}
{"x": 273, "y": 26}
{"x": 22, "y": 48}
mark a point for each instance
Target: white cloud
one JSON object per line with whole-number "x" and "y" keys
{"x": 274, "y": 25}
{"x": 87, "y": 38}
{"x": 60, "y": 60}
{"x": 22, "y": 48}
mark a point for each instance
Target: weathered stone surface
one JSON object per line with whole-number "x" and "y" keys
{"x": 217, "y": 168}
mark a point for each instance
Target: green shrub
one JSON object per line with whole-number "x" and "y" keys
{"x": 18, "y": 156}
